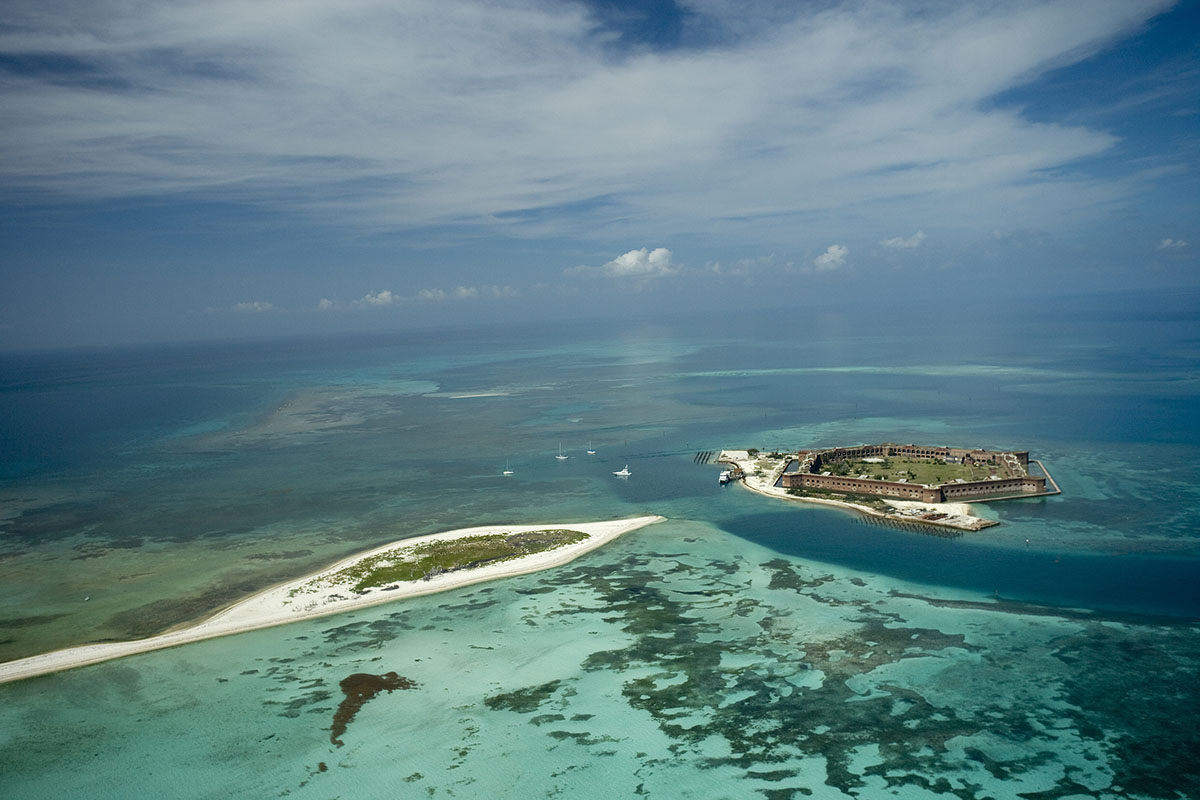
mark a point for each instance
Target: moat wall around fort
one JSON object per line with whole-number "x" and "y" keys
{"x": 1010, "y": 479}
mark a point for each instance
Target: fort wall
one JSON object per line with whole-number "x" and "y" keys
{"x": 1011, "y": 478}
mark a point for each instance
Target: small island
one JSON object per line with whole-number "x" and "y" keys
{"x": 406, "y": 568}
{"x": 911, "y": 483}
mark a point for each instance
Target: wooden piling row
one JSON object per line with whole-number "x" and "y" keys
{"x": 912, "y": 527}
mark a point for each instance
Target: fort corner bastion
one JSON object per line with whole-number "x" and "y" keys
{"x": 964, "y": 474}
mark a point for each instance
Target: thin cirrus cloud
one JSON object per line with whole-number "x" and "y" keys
{"x": 1172, "y": 244}
{"x": 385, "y": 298}
{"x": 256, "y": 101}
{"x": 255, "y": 307}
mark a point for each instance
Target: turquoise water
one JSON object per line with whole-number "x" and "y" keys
{"x": 747, "y": 648}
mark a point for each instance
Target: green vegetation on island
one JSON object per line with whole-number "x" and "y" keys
{"x": 424, "y": 561}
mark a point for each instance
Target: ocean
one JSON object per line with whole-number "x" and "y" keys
{"x": 747, "y": 647}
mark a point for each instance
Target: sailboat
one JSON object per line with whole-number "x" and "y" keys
{"x": 507, "y": 469}
{"x": 590, "y": 451}
{"x": 624, "y": 473}
{"x": 561, "y": 455}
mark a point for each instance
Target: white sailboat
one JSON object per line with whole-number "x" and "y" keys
{"x": 624, "y": 473}
{"x": 561, "y": 455}
{"x": 590, "y": 451}
{"x": 507, "y": 469}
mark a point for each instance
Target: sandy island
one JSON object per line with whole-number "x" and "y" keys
{"x": 760, "y": 474}
{"x": 321, "y": 597}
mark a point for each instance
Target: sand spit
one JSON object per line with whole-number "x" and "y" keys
{"x": 761, "y": 472}
{"x": 285, "y": 603}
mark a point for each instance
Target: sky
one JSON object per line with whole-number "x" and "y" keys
{"x": 177, "y": 170}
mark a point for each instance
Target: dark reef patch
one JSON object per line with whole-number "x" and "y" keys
{"x": 358, "y": 689}
{"x": 523, "y": 701}
{"x": 1148, "y": 721}
{"x": 278, "y": 555}
{"x": 786, "y": 575}
{"x": 21, "y": 622}
{"x": 158, "y": 616}
{"x": 785, "y": 696}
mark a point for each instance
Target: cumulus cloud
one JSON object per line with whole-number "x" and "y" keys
{"x": 1172, "y": 244}
{"x": 380, "y": 298}
{"x": 255, "y": 307}
{"x": 905, "y": 242}
{"x": 640, "y": 264}
{"x": 833, "y": 257}
{"x": 636, "y": 265}
{"x": 431, "y": 295}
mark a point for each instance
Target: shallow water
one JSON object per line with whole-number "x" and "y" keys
{"x": 678, "y": 662}
{"x": 749, "y": 647}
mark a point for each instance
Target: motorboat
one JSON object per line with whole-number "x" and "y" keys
{"x": 623, "y": 473}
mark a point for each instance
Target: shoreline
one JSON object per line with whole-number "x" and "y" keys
{"x": 283, "y": 603}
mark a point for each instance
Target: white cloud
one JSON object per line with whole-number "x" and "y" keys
{"x": 635, "y": 265}
{"x": 386, "y": 297}
{"x": 862, "y": 104}
{"x": 750, "y": 266}
{"x": 905, "y": 242}
{"x": 640, "y": 264}
{"x": 255, "y": 307}
{"x": 499, "y": 292}
{"x": 380, "y": 298}
{"x": 1172, "y": 244}
{"x": 833, "y": 257}
{"x": 473, "y": 292}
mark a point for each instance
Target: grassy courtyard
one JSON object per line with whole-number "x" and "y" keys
{"x": 912, "y": 470}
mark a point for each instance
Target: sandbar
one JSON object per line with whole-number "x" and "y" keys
{"x": 310, "y": 597}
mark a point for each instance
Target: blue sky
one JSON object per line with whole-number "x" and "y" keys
{"x": 183, "y": 170}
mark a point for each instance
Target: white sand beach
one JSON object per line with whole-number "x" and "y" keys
{"x": 283, "y": 604}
